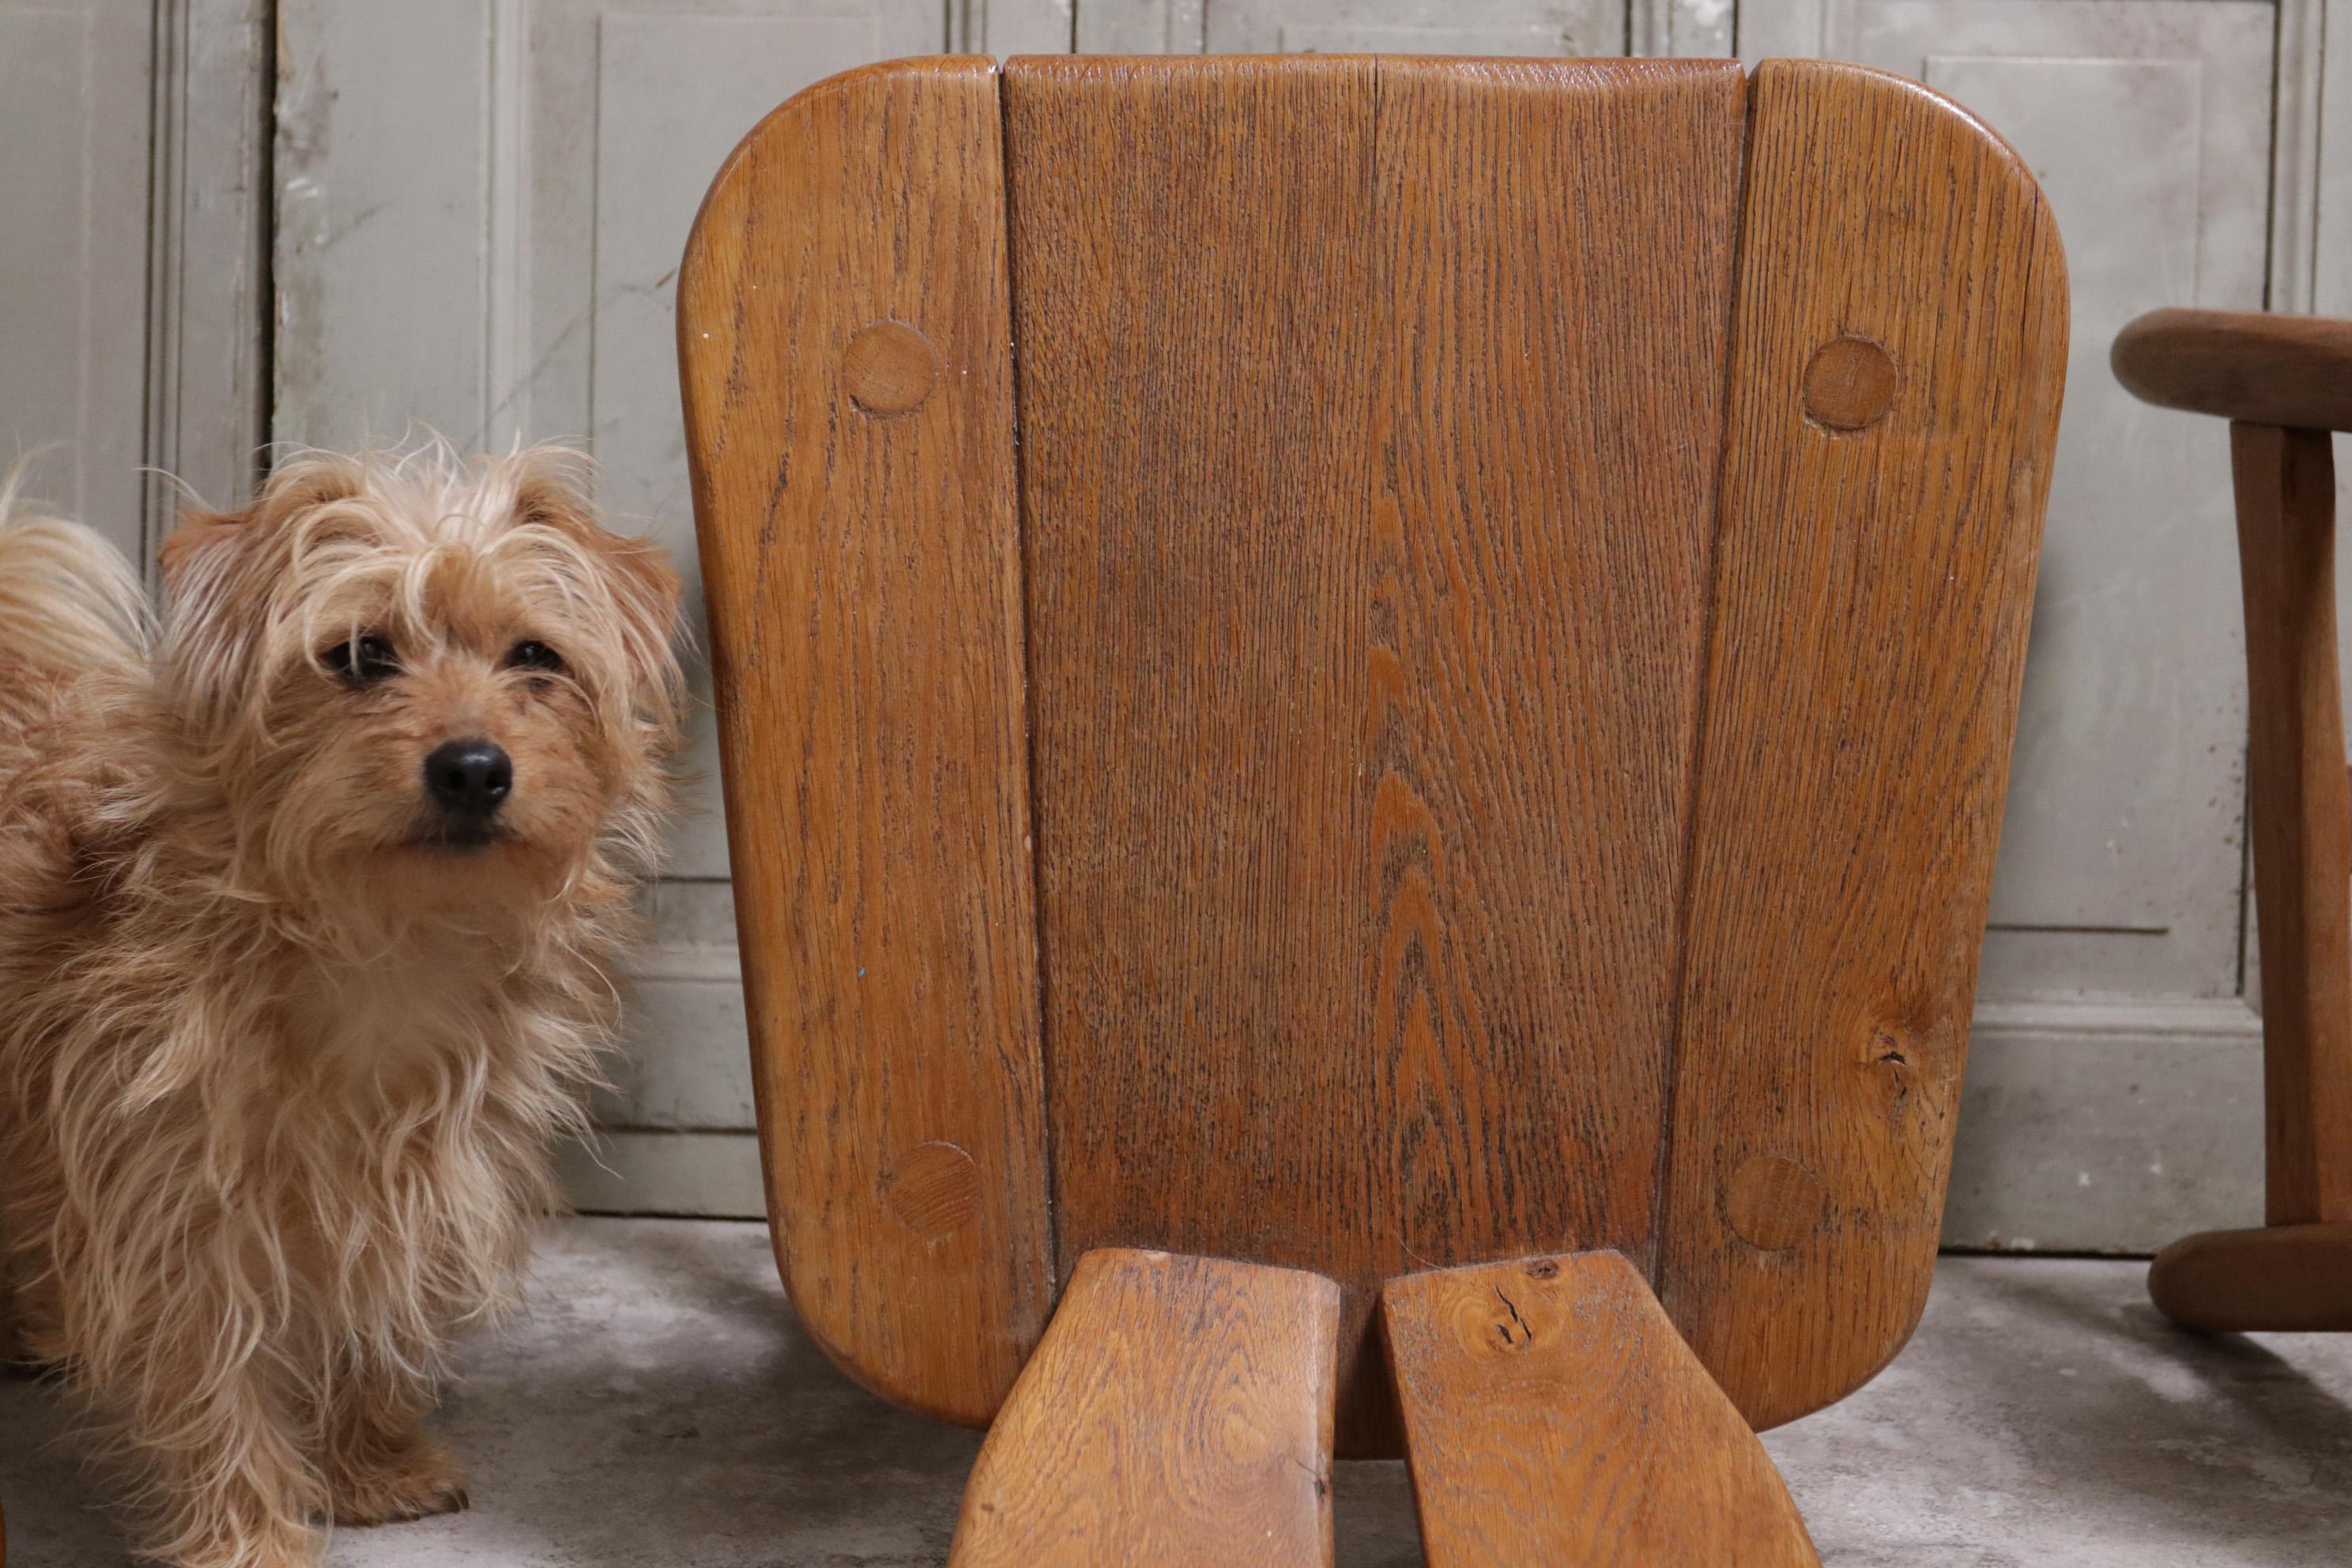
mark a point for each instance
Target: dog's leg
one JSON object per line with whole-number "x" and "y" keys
{"x": 381, "y": 1463}
{"x": 15, "y": 1309}
{"x": 232, "y": 1489}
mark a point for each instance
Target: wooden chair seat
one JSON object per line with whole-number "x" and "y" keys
{"x": 1330, "y": 668}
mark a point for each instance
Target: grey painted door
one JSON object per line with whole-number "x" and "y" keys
{"x": 131, "y": 249}
{"x": 75, "y": 85}
{"x": 491, "y": 253}
{"x": 489, "y": 250}
{"x": 2114, "y": 1093}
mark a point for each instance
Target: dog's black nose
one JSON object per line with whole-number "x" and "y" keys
{"x": 469, "y": 778}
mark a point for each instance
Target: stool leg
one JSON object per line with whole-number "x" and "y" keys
{"x": 2302, "y": 813}
{"x": 1552, "y": 1414}
{"x": 2297, "y": 1272}
{"x": 2286, "y": 1278}
{"x": 1177, "y": 1413}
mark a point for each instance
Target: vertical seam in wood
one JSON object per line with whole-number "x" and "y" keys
{"x": 1662, "y": 1184}
{"x": 1020, "y": 536}
{"x": 1380, "y": 424}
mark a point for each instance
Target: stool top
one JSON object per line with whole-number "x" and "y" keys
{"x": 2294, "y": 372}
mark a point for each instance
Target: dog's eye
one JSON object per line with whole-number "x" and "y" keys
{"x": 533, "y": 655}
{"x": 363, "y": 661}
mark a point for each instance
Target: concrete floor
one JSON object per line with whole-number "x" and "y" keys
{"x": 659, "y": 1407}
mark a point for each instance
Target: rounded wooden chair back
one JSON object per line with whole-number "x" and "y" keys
{"x": 1366, "y": 664}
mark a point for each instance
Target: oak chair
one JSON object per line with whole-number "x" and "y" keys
{"x": 1366, "y": 689}
{"x": 2284, "y": 383}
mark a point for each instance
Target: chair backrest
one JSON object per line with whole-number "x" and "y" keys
{"x": 1366, "y": 664}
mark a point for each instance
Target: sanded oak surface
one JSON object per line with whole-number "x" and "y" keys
{"x": 1459, "y": 832}
{"x": 2301, "y": 812}
{"x": 1553, "y": 1414}
{"x": 1365, "y": 642}
{"x": 844, "y": 338}
{"x": 1875, "y": 579}
{"x": 2286, "y": 383}
{"x": 1176, "y": 1414}
{"x": 2293, "y": 371}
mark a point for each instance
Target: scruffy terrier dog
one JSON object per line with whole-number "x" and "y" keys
{"x": 308, "y": 906}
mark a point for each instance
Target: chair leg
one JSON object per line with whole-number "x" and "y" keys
{"x": 1177, "y": 1413}
{"x": 1553, "y": 1414}
{"x": 2296, "y": 1274}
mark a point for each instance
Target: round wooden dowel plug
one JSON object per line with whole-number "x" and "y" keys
{"x": 888, "y": 369}
{"x": 1849, "y": 384}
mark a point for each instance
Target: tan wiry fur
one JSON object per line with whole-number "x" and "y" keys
{"x": 279, "y": 1070}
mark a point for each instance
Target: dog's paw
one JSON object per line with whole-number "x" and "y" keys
{"x": 276, "y": 1545}
{"x": 424, "y": 1479}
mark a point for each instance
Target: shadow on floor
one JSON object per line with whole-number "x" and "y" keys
{"x": 2044, "y": 1413}
{"x": 658, "y": 1406}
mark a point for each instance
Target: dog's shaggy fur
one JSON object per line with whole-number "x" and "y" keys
{"x": 281, "y": 1052}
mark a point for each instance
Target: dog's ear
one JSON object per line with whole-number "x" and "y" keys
{"x": 219, "y": 570}
{"x": 207, "y": 564}
{"x": 206, "y": 537}
{"x": 200, "y": 535}
{"x": 550, "y": 492}
{"x": 645, "y": 592}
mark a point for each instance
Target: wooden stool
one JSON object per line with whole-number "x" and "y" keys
{"x": 1366, "y": 691}
{"x": 2284, "y": 383}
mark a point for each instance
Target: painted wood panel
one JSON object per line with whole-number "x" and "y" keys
{"x": 2175, "y": 148}
{"x": 506, "y": 269}
{"x": 75, "y": 78}
{"x": 2148, "y": 124}
{"x": 1352, "y": 27}
{"x": 503, "y": 268}
{"x": 1417, "y": 27}
{"x": 381, "y": 222}
{"x": 597, "y": 336}
{"x": 535, "y": 253}
{"x": 207, "y": 335}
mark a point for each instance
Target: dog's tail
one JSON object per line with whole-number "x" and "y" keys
{"x": 69, "y": 602}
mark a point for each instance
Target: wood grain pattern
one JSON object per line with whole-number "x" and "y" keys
{"x": 1366, "y": 523}
{"x": 1872, "y": 593}
{"x": 2294, "y": 372}
{"x": 2266, "y": 372}
{"x": 1459, "y": 833}
{"x": 858, "y": 527}
{"x": 1177, "y": 1413}
{"x": 2301, "y": 811}
{"x": 1554, "y": 1415}
{"x": 2280, "y": 1278}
